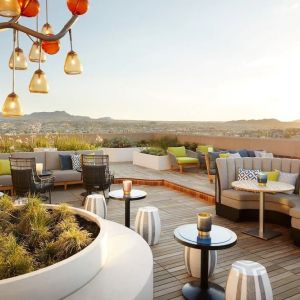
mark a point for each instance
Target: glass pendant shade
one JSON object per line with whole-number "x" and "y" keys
{"x": 34, "y": 54}
{"x": 9, "y": 8}
{"x": 51, "y": 47}
{"x": 12, "y": 106}
{"x": 20, "y": 60}
{"x": 72, "y": 64}
{"x": 47, "y": 29}
{"x": 29, "y": 8}
{"x": 39, "y": 83}
{"x": 78, "y": 7}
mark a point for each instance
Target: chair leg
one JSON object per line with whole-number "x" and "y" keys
{"x": 181, "y": 169}
{"x": 50, "y": 196}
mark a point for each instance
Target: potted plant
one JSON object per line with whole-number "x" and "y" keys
{"x": 152, "y": 158}
{"x": 119, "y": 149}
{"x": 48, "y": 251}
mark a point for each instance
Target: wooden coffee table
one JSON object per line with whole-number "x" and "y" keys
{"x": 254, "y": 187}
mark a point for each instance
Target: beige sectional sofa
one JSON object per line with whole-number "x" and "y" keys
{"x": 280, "y": 208}
{"x": 50, "y": 160}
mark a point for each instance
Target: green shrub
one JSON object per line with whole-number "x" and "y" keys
{"x": 154, "y": 151}
{"x": 117, "y": 142}
{"x": 64, "y": 143}
{"x": 190, "y": 146}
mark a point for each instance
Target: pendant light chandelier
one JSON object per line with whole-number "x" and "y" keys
{"x": 44, "y": 42}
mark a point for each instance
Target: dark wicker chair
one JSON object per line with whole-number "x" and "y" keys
{"x": 95, "y": 173}
{"x": 25, "y": 179}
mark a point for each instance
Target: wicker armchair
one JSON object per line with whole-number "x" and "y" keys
{"x": 25, "y": 179}
{"x": 181, "y": 157}
{"x": 95, "y": 173}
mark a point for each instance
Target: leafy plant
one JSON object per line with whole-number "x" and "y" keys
{"x": 154, "y": 151}
{"x": 117, "y": 142}
{"x": 63, "y": 143}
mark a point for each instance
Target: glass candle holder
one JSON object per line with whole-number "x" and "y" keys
{"x": 127, "y": 187}
{"x": 39, "y": 168}
{"x": 204, "y": 224}
{"x": 262, "y": 178}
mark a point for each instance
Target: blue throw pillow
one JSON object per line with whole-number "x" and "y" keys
{"x": 251, "y": 153}
{"x": 65, "y": 161}
{"x": 243, "y": 153}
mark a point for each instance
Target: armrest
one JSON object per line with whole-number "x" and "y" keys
{"x": 173, "y": 159}
{"x": 191, "y": 153}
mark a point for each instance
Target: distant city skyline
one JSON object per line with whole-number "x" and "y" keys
{"x": 171, "y": 60}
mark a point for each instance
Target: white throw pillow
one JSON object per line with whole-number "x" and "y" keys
{"x": 234, "y": 155}
{"x": 290, "y": 178}
{"x": 259, "y": 153}
{"x": 245, "y": 174}
{"x": 266, "y": 154}
{"x": 76, "y": 161}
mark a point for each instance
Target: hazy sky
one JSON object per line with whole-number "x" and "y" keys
{"x": 172, "y": 60}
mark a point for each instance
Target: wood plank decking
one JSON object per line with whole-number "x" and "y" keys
{"x": 279, "y": 255}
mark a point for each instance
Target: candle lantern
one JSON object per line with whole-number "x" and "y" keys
{"x": 204, "y": 224}
{"x": 127, "y": 187}
{"x": 39, "y": 168}
{"x": 262, "y": 178}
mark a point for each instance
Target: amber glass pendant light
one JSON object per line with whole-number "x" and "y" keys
{"x": 39, "y": 83}
{"x": 19, "y": 57}
{"x": 72, "y": 63}
{"x": 34, "y": 54}
{"x": 12, "y": 106}
{"x": 47, "y": 28}
{"x": 10, "y": 8}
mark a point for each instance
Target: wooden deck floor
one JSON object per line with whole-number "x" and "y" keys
{"x": 279, "y": 256}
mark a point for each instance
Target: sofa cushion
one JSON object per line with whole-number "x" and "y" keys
{"x": 76, "y": 161}
{"x": 289, "y": 178}
{"x": 234, "y": 155}
{"x": 224, "y": 155}
{"x": 40, "y": 157}
{"x": 4, "y": 155}
{"x": 177, "y": 151}
{"x": 273, "y": 175}
{"x": 187, "y": 160}
{"x": 204, "y": 148}
{"x": 243, "y": 153}
{"x": 240, "y": 195}
{"x": 251, "y": 153}
{"x": 66, "y": 175}
{"x": 4, "y": 167}
{"x": 52, "y": 159}
{"x": 65, "y": 161}
{"x": 5, "y": 180}
{"x": 91, "y": 152}
{"x": 245, "y": 174}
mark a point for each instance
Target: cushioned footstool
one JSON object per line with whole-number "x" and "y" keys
{"x": 96, "y": 204}
{"x": 147, "y": 224}
{"x": 192, "y": 261}
{"x": 248, "y": 280}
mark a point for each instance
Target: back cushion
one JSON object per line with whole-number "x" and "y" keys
{"x": 39, "y": 156}
{"x": 65, "y": 161}
{"x": 4, "y": 155}
{"x": 95, "y": 152}
{"x": 52, "y": 159}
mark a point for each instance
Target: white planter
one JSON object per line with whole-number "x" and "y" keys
{"x": 120, "y": 154}
{"x": 65, "y": 277}
{"x": 152, "y": 161}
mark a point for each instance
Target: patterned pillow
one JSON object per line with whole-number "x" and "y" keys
{"x": 245, "y": 174}
{"x": 290, "y": 178}
{"x": 76, "y": 161}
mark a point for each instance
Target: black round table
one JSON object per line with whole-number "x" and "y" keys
{"x": 220, "y": 238}
{"x": 134, "y": 195}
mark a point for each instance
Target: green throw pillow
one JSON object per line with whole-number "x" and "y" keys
{"x": 177, "y": 151}
{"x": 4, "y": 167}
{"x": 204, "y": 148}
{"x": 273, "y": 175}
{"x": 224, "y": 155}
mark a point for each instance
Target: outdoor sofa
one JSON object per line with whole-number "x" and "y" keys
{"x": 50, "y": 161}
{"x": 280, "y": 208}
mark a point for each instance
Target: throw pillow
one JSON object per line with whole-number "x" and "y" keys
{"x": 267, "y": 155}
{"x": 290, "y": 178}
{"x": 177, "y": 151}
{"x": 245, "y": 174}
{"x": 224, "y": 155}
{"x": 273, "y": 175}
{"x": 4, "y": 167}
{"x": 234, "y": 155}
{"x": 65, "y": 162}
{"x": 243, "y": 153}
{"x": 251, "y": 153}
{"x": 76, "y": 161}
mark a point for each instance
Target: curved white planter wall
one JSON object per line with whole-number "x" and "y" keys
{"x": 63, "y": 278}
{"x": 151, "y": 161}
{"x": 120, "y": 154}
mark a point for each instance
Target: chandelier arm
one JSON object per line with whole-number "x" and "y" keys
{"x": 13, "y": 25}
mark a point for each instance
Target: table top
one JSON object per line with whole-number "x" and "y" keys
{"x": 45, "y": 173}
{"x": 134, "y": 195}
{"x": 220, "y": 237}
{"x": 271, "y": 186}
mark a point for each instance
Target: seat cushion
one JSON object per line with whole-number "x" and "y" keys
{"x": 177, "y": 151}
{"x": 186, "y": 160}
{"x": 5, "y": 180}
{"x": 66, "y": 175}
{"x": 240, "y": 195}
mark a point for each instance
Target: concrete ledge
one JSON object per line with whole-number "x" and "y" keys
{"x": 128, "y": 271}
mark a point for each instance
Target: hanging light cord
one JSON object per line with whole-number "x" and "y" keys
{"x": 40, "y": 53}
{"x": 47, "y": 11}
{"x": 14, "y": 59}
{"x": 71, "y": 41}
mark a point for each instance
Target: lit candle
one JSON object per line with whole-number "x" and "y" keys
{"x": 204, "y": 223}
{"x": 127, "y": 186}
{"x": 39, "y": 168}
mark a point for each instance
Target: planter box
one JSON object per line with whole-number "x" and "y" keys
{"x": 120, "y": 154}
{"x": 44, "y": 149}
{"x": 65, "y": 277}
{"x": 152, "y": 161}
